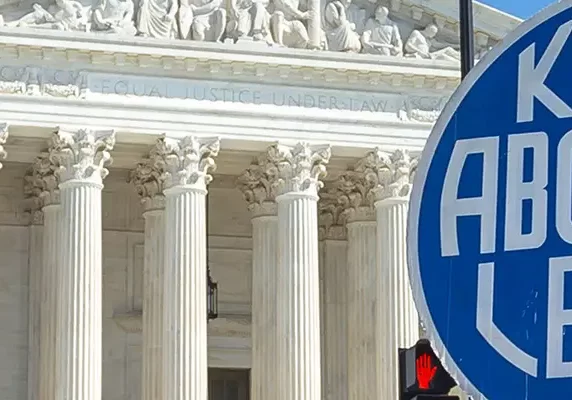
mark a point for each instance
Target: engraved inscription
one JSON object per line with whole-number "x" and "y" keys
{"x": 242, "y": 93}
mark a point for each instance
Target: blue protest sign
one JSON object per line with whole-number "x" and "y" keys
{"x": 490, "y": 223}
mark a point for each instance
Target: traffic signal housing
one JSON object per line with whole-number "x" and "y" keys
{"x": 422, "y": 376}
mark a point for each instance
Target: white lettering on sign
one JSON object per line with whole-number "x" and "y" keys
{"x": 558, "y": 318}
{"x": 564, "y": 188}
{"x": 452, "y": 207}
{"x": 490, "y": 331}
{"x": 532, "y": 79}
{"x": 518, "y": 190}
{"x": 534, "y": 190}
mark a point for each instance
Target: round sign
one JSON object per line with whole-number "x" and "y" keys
{"x": 490, "y": 224}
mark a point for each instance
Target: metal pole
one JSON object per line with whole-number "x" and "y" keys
{"x": 467, "y": 36}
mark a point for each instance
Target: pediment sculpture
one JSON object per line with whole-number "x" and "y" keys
{"x": 381, "y": 35}
{"x": 64, "y": 15}
{"x": 421, "y": 45}
{"x": 346, "y": 25}
{"x": 340, "y": 32}
{"x": 249, "y": 18}
{"x": 288, "y": 24}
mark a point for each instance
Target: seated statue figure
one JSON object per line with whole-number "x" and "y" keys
{"x": 202, "y": 20}
{"x": 156, "y": 18}
{"x": 357, "y": 16}
{"x": 64, "y": 15}
{"x": 339, "y": 31}
{"x": 114, "y": 16}
{"x": 287, "y": 26}
{"x": 419, "y": 46}
{"x": 249, "y": 18}
{"x": 381, "y": 35}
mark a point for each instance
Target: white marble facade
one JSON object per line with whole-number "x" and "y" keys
{"x": 111, "y": 136}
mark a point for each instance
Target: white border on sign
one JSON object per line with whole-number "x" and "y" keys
{"x": 421, "y": 176}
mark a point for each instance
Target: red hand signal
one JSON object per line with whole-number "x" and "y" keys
{"x": 425, "y": 372}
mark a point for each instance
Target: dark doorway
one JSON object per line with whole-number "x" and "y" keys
{"x": 229, "y": 384}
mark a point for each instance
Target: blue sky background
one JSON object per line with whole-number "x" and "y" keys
{"x": 519, "y": 8}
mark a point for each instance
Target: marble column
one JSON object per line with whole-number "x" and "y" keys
{"x": 34, "y": 303}
{"x": 334, "y": 315}
{"x": 82, "y": 156}
{"x": 42, "y": 188}
{"x": 295, "y": 172}
{"x": 260, "y": 198}
{"x": 363, "y": 343}
{"x": 149, "y": 183}
{"x": 187, "y": 162}
{"x": 398, "y": 321}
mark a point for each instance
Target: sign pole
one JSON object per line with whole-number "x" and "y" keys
{"x": 467, "y": 35}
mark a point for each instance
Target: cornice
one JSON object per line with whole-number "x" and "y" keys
{"x": 224, "y": 61}
{"x": 488, "y": 20}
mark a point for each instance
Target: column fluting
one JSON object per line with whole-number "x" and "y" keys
{"x": 187, "y": 162}
{"x": 296, "y": 172}
{"x": 149, "y": 183}
{"x": 261, "y": 203}
{"x": 81, "y": 156}
{"x": 334, "y": 293}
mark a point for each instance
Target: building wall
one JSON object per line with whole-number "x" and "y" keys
{"x": 230, "y": 260}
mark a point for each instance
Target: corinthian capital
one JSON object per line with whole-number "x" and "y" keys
{"x": 82, "y": 154}
{"x": 187, "y": 161}
{"x": 257, "y": 190}
{"x": 149, "y": 181}
{"x": 356, "y": 196}
{"x": 41, "y": 186}
{"x": 3, "y": 139}
{"x": 331, "y": 217}
{"x": 298, "y": 168}
{"x": 388, "y": 173}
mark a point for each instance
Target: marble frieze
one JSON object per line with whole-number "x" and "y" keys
{"x": 38, "y": 81}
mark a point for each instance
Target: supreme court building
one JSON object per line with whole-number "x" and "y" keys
{"x": 301, "y": 119}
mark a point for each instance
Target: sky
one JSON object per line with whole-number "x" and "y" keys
{"x": 520, "y": 8}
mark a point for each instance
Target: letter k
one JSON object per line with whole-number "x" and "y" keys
{"x": 531, "y": 79}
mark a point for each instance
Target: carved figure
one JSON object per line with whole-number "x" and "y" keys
{"x": 419, "y": 45}
{"x": 64, "y": 15}
{"x": 381, "y": 35}
{"x": 202, "y": 20}
{"x": 156, "y": 18}
{"x": 114, "y": 16}
{"x": 287, "y": 26}
{"x": 482, "y": 52}
{"x": 339, "y": 31}
{"x": 357, "y": 16}
{"x": 249, "y": 18}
